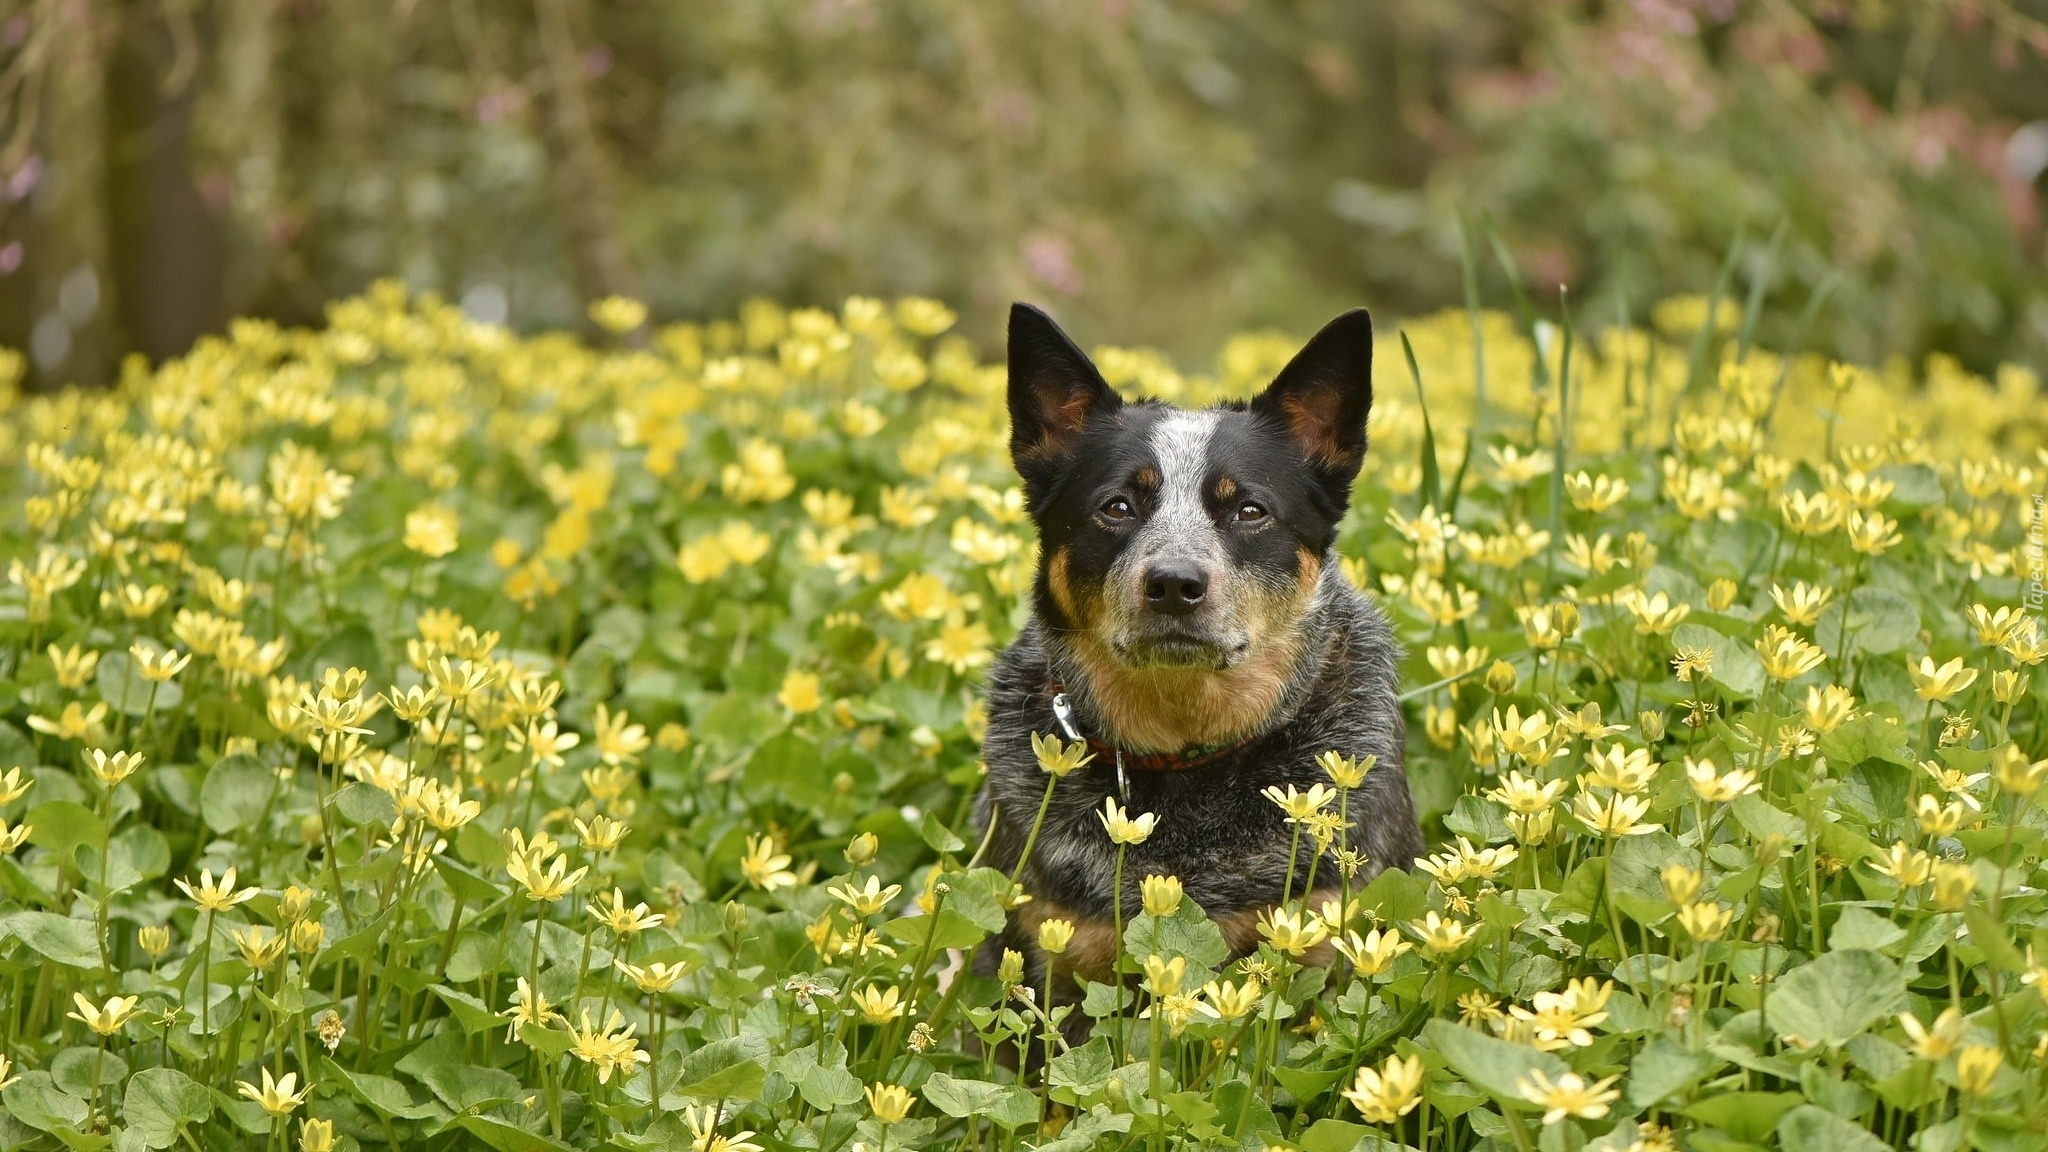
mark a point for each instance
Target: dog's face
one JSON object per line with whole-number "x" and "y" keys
{"x": 1176, "y": 540}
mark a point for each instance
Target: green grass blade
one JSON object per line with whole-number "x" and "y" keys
{"x": 1475, "y": 433}
{"x": 1432, "y": 482}
{"x": 1759, "y": 287}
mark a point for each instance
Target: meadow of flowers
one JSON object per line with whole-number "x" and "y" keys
{"x": 417, "y": 735}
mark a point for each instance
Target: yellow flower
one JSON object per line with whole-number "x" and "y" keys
{"x": 2016, "y": 774}
{"x": 1520, "y": 736}
{"x": 889, "y": 1102}
{"x": 1162, "y": 894}
{"x": 528, "y": 1007}
{"x": 800, "y": 692}
{"x": 1568, "y": 1095}
{"x": 1785, "y": 655}
{"x": 1814, "y": 515}
{"x": 1828, "y": 708}
{"x": 1521, "y": 793}
{"x": 74, "y": 665}
{"x": 111, "y": 770}
{"x": 158, "y": 666}
{"x": 869, "y": 900}
{"x": 1123, "y": 828}
{"x": 654, "y": 979}
{"x": 1622, "y": 769}
{"x": 878, "y": 1005}
{"x": 1441, "y": 935}
{"x": 961, "y": 646}
{"x": 1709, "y": 785}
{"x": 544, "y": 884}
{"x": 1057, "y": 757}
{"x": 1803, "y": 603}
{"x": 1163, "y": 977}
{"x": 1872, "y": 533}
{"x": 432, "y": 530}
{"x": 216, "y": 897}
{"x": 1704, "y": 922}
{"x": 259, "y": 946}
{"x": 1936, "y": 818}
{"x": 155, "y": 940}
{"x": 606, "y": 1049}
{"x": 622, "y": 918}
{"x": 1937, "y": 683}
{"x": 765, "y": 865}
{"x": 1291, "y": 933}
{"x": 276, "y": 1096}
{"x": 1618, "y": 815}
{"x": 1937, "y": 1042}
{"x": 1374, "y": 952}
{"x": 1977, "y": 1067}
{"x": 1385, "y": 1094}
{"x": 73, "y": 723}
{"x": 1995, "y": 628}
{"x": 1655, "y": 615}
{"x": 1054, "y": 936}
{"x": 1595, "y": 494}
{"x": 1300, "y": 805}
{"x": 1230, "y": 1002}
{"x": 1346, "y": 773}
{"x": 618, "y": 315}
{"x": 1905, "y": 864}
{"x": 1953, "y": 884}
{"x": 703, "y": 1122}
{"x": 316, "y": 1135}
{"x": 104, "y": 1020}
{"x": 2028, "y": 644}
{"x": 1681, "y": 883}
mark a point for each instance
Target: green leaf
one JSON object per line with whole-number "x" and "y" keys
{"x": 61, "y": 826}
{"x": 58, "y": 939}
{"x": 471, "y": 1087}
{"x": 1662, "y": 1070}
{"x": 1005, "y": 1105}
{"x": 1082, "y": 1070}
{"x": 160, "y": 1102}
{"x": 1745, "y": 1115}
{"x": 473, "y": 1014}
{"x": 505, "y": 1137}
{"x": 361, "y": 803}
{"x": 1874, "y": 620}
{"x": 1859, "y": 927}
{"x": 1868, "y": 737}
{"x": 124, "y": 689}
{"x": 381, "y": 1094}
{"x": 732, "y": 1066}
{"x": 1811, "y": 1129}
{"x": 236, "y": 792}
{"x": 1736, "y": 667}
{"x": 35, "y": 1100}
{"x": 1836, "y": 996}
{"x": 1496, "y": 1067}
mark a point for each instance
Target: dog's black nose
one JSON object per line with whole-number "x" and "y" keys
{"x": 1175, "y": 588}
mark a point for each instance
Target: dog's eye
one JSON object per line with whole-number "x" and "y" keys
{"x": 1248, "y": 512}
{"x": 1119, "y": 509}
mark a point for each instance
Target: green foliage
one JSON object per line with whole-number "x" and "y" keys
{"x": 414, "y": 735}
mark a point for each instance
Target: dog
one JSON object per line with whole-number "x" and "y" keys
{"x": 1191, "y": 623}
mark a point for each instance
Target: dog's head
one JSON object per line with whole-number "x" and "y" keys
{"x": 1177, "y": 540}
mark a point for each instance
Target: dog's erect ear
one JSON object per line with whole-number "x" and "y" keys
{"x": 1324, "y": 394}
{"x": 1054, "y": 390}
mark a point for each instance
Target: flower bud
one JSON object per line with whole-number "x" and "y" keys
{"x": 735, "y": 917}
{"x": 1721, "y": 593}
{"x": 862, "y": 850}
{"x": 1650, "y": 722}
{"x": 1011, "y": 970}
{"x": 294, "y": 904}
{"x": 1161, "y": 894}
{"x": 308, "y": 936}
{"x": 155, "y": 940}
{"x": 1681, "y": 883}
{"x": 1055, "y": 935}
{"x": 1500, "y": 679}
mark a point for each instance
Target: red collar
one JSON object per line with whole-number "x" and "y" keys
{"x": 1192, "y": 756}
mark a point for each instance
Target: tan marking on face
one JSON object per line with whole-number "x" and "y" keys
{"x": 1147, "y": 479}
{"x": 1226, "y": 488}
{"x": 1088, "y": 954}
{"x": 1167, "y": 709}
{"x": 1062, "y": 591}
{"x": 1241, "y": 930}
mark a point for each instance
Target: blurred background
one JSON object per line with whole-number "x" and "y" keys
{"x": 1155, "y": 171}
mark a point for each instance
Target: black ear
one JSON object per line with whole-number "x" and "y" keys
{"x": 1054, "y": 390}
{"x": 1324, "y": 394}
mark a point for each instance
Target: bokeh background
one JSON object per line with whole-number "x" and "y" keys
{"x": 1161, "y": 171}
